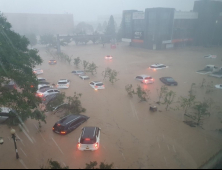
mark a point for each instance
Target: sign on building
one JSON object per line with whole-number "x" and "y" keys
{"x": 138, "y": 15}
{"x": 138, "y": 35}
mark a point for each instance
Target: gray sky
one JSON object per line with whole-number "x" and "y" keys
{"x": 88, "y": 10}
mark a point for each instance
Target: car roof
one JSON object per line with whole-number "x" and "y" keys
{"x": 97, "y": 82}
{"x": 5, "y": 109}
{"x": 37, "y": 69}
{"x": 88, "y": 132}
{"x": 63, "y": 80}
{"x": 70, "y": 118}
{"x": 167, "y": 77}
{"x": 157, "y": 64}
{"x": 143, "y": 75}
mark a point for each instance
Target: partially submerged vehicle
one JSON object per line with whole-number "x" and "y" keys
{"x": 217, "y": 73}
{"x": 210, "y": 56}
{"x": 208, "y": 69}
{"x": 218, "y": 86}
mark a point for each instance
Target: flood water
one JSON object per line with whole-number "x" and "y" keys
{"x": 131, "y": 135}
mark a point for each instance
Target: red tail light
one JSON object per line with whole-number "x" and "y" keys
{"x": 78, "y": 145}
{"x": 54, "y": 61}
{"x": 31, "y": 86}
{"x": 103, "y": 86}
{"x": 63, "y": 132}
{"x": 87, "y": 139}
{"x": 96, "y": 145}
{"x": 53, "y": 128}
{"x": 96, "y": 86}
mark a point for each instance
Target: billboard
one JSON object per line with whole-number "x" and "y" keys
{"x": 138, "y": 35}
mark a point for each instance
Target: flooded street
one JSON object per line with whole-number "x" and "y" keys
{"x": 131, "y": 135}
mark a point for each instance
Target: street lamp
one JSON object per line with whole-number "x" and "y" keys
{"x": 14, "y": 138}
{"x": 1, "y": 141}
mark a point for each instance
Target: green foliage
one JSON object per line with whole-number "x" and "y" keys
{"x": 48, "y": 39}
{"x": 60, "y": 98}
{"x": 203, "y": 83}
{"x": 74, "y": 105}
{"x": 83, "y": 28}
{"x": 38, "y": 115}
{"x": 201, "y": 110}
{"x": 142, "y": 94}
{"x": 17, "y": 63}
{"x": 130, "y": 90}
{"x": 210, "y": 87}
{"x": 32, "y": 39}
{"x": 187, "y": 103}
{"x": 191, "y": 92}
{"x": 53, "y": 165}
{"x": 85, "y": 64}
{"x": 169, "y": 98}
{"x": 110, "y": 74}
{"x": 92, "y": 165}
{"x": 92, "y": 68}
{"x": 76, "y": 62}
{"x": 163, "y": 90}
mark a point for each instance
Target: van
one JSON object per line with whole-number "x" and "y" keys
{"x": 69, "y": 123}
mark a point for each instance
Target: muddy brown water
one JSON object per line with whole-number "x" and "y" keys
{"x": 131, "y": 135}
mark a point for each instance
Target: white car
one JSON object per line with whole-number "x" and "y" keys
{"x": 46, "y": 92}
{"x": 108, "y": 57}
{"x": 63, "y": 84}
{"x": 4, "y": 113}
{"x": 78, "y": 72}
{"x": 210, "y": 56}
{"x": 218, "y": 86}
{"x": 146, "y": 79}
{"x": 38, "y": 71}
{"x": 89, "y": 139}
{"x": 97, "y": 85}
{"x": 84, "y": 77}
{"x": 43, "y": 86}
{"x": 157, "y": 66}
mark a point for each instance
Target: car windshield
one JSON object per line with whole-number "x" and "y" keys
{"x": 62, "y": 82}
{"x": 59, "y": 127}
{"x": 170, "y": 79}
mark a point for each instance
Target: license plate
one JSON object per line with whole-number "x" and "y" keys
{"x": 56, "y": 132}
{"x": 87, "y": 147}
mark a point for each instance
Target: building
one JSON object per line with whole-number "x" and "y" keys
{"x": 161, "y": 28}
{"x": 41, "y": 24}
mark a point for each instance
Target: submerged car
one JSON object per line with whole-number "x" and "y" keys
{"x": 157, "y": 66}
{"x": 84, "y": 77}
{"x": 11, "y": 85}
{"x": 108, "y": 57}
{"x": 218, "y": 86}
{"x": 208, "y": 69}
{"x": 78, "y": 72}
{"x": 97, "y": 85}
{"x": 89, "y": 139}
{"x": 168, "y": 81}
{"x": 63, "y": 84}
{"x": 46, "y": 92}
{"x": 37, "y": 71}
{"x": 217, "y": 74}
{"x": 52, "y": 62}
{"x": 146, "y": 79}
{"x": 69, "y": 123}
{"x": 210, "y": 56}
{"x": 4, "y": 113}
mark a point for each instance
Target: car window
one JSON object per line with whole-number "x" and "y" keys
{"x": 147, "y": 78}
{"x": 43, "y": 87}
{"x": 73, "y": 124}
{"x": 56, "y": 91}
{"x": 50, "y": 91}
{"x": 99, "y": 84}
{"x": 139, "y": 77}
{"x": 59, "y": 127}
{"x": 170, "y": 79}
{"x": 92, "y": 83}
{"x": 62, "y": 82}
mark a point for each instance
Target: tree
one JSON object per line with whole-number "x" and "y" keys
{"x": 83, "y": 28}
{"x": 99, "y": 28}
{"x": 53, "y": 165}
{"x": 17, "y": 63}
{"x": 59, "y": 99}
{"x": 110, "y": 29}
{"x": 104, "y": 26}
{"x": 130, "y": 90}
{"x": 142, "y": 94}
{"x": 169, "y": 98}
{"x": 32, "y": 39}
{"x": 161, "y": 93}
{"x": 200, "y": 111}
{"x": 92, "y": 165}
{"x": 85, "y": 64}
{"x": 92, "y": 68}
{"x": 76, "y": 62}
{"x": 187, "y": 103}
{"x": 110, "y": 74}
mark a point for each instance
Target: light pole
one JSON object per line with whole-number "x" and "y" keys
{"x": 14, "y": 138}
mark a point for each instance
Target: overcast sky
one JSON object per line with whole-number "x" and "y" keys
{"x": 88, "y": 10}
